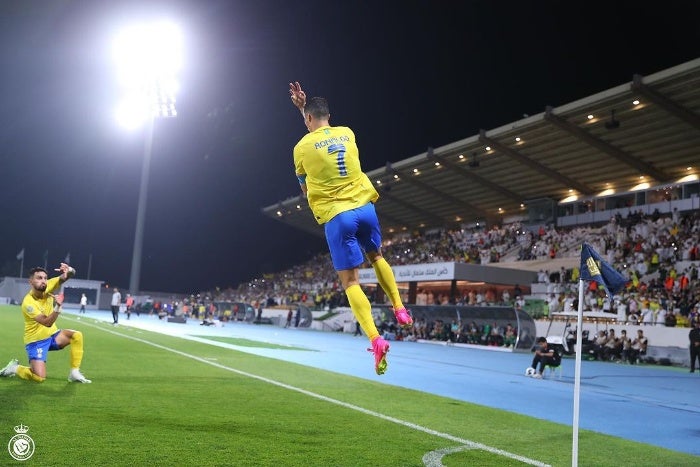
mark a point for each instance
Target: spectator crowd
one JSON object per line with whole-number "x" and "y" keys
{"x": 646, "y": 249}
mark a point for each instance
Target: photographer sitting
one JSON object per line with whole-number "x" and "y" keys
{"x": 639, "y": 347}
{"x": 544, "y": 356}
{"x": 613, "y": 346}
{"x": 599, "y": 345}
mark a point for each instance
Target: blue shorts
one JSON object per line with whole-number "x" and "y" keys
{"x": 352, "y": 233}
{"x": 38, "y": 350}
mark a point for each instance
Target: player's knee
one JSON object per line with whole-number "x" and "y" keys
{"x": 77, "y": 336}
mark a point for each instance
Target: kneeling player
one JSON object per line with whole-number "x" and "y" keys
{"x": 41, "y": 309}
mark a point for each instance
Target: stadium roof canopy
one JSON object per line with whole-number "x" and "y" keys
{"x": 644, "y": 131}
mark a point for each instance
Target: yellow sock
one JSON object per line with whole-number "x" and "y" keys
{"x": 76, "y": 349}
{"x": 386, "y": 279}
{"x": 362, "y": 310}
{"x": 25, "y": 372}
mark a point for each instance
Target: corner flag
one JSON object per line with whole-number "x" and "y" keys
{"x": 593, "y": 268}
{"x": 20, "y": 255}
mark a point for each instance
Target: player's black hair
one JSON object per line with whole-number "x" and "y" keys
{"x": 317, "y": 107}
{"x": 33, "y": 271}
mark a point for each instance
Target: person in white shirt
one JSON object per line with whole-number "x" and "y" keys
{"x": 661, "y": 317}
{"x": 116, "y": 301}
{"x": 613, "y": 346}
{"x": 599, "y": 345}
{"x": 553, "y": 304}
{"x": 569, "y": 303}
{"x": 621, "y": 309}
{"x": 639, "y": 347}
{"x": 83, "y": 302}
{"x": 626, "y": 344}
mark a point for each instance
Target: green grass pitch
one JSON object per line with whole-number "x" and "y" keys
{"x": 158, "y": 400}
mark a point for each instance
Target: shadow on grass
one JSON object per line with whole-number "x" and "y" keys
{"x": 18, "y": 399}
{"x": 15, "y": 395}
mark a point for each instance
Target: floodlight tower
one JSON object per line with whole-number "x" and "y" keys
{"x": 149, "y": 58}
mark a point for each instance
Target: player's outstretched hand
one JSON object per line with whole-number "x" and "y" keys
{"x": 297, "y": 95}
{"x": 66, "y": 271}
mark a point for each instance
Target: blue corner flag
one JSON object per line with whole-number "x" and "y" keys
{"x": 593, "y": 268}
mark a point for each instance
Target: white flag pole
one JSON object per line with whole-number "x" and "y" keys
{"x": 577, "y": 378}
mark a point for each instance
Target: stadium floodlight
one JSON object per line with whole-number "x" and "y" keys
{"x": 149, "y": 57}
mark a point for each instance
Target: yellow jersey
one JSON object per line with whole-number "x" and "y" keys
{"x": 31, "y": 307}
{"x": 335, "y": 183}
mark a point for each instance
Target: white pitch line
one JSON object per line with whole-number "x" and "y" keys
{"x": 461, "y": 441}
{"x": 434, "y": 458}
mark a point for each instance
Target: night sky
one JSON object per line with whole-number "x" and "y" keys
{"x": 404, "y": 75}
